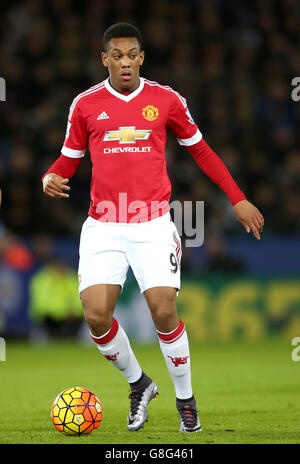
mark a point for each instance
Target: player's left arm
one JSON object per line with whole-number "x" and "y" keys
{"x": 215, "y": 169}
{"x": 188, "y": 135}
{"x": 250, "y": 217}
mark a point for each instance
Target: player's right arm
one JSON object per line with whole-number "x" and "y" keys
{"x": 55, "y": 186}
{"x": 55, "y": 180}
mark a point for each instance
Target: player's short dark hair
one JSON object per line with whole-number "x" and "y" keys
{"x": 121, "y": 30}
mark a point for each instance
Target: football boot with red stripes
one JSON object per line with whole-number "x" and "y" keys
{"x": 188, "y": 416}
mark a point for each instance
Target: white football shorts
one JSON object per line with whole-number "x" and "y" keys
{"x": 152, "y": 249}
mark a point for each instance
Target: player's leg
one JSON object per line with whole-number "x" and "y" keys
{"x": 155, "y": 260}
{"x": 162, "y": 304}
{"x": 174, "y": 345}
{"x": 98, "y": 303}
{"x": 102, "y": 272}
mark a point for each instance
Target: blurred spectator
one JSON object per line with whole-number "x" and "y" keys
{"x": 54, "y": 304}
{"x": 13, "y": 253}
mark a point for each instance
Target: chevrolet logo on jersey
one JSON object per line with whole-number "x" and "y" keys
{"x": 127, "y": 135}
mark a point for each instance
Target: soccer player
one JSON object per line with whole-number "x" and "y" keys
{"x": 124, "y": 121}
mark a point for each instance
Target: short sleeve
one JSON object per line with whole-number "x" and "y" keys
{"x": 75, "y": 142}
{"x": 181, "y": 122}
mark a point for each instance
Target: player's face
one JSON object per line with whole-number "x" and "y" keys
{"x": 123, "y": 59}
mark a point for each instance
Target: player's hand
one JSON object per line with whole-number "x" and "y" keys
{"x": 55, "y": 186}
{"x": 250, "y": 217}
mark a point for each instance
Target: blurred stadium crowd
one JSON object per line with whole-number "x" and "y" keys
{"x": 232, "y": 60}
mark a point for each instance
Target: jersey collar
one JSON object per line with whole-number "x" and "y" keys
{"x": 123, "y": 97}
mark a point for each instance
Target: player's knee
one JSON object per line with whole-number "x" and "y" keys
{"x": 166, "y": 299}
{"x": 162, "y": 303}
{"x": 98, "y": 319}
{"x": 98, "y": 323}
{"x": 164, "y": 314}
{"x": 158, "y": 298}
{"x": 164, "y": 309}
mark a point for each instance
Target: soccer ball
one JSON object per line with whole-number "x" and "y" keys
{"x": 76, "y": 411}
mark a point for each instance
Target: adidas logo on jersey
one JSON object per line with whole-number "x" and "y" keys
{"x": 103, "y": 115}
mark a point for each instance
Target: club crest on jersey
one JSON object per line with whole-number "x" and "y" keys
{"x": 126, "y": 135}
{"x": 150, "y": 113}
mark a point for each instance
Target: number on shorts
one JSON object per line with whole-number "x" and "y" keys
{"x": 173, "y": 262}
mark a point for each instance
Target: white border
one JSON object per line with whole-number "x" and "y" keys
{"x": 191, "y": 140}
{"x": 71, "y": 153}
{"x": 121, "y": 96}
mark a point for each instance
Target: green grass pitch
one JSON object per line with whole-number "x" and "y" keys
{"x": 247, "y": 392}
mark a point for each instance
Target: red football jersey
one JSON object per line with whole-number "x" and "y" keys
{"x": 126, "y": 137}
